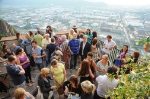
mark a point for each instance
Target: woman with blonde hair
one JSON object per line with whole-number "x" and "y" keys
{"x": 103, "y": 65}
{"x": 44, "y": 83}
{"x": 71, "y": 34}
{"x": 88, "y": 90}
{"x": 27, "y": 44}
{"x": 20, "y": 93}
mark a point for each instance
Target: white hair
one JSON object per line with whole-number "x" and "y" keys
{"x": 75, "y": 33}
{"x": 46, "y": 34}
{"x": 63, "y": 36}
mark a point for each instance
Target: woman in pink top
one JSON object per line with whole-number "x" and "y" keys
{"x": 23, "y": 60}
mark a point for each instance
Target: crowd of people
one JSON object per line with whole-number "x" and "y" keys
{"x": 54, "y": 54}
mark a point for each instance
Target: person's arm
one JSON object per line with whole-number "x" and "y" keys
{"x": 31, "y": 96}
{"x": 70, "y": 50}
{"x": 99, "y": 70}
{"x": 64, "y": 72}
{"x": 78, "y": 72}
{"x": 55, "y": 78}
{"x": 90, "y": 73}
{"x": 18, "y": 61}
{"x": 43, "y": 55}
{"x": 22, "y": 72}
{"x": 41, "y": 84}
{"x": 3, "y": 54}
{"x": 127, "y": 55}
{"x": 94, "y": 65}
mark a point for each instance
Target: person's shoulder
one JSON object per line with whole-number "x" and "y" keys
{"x": 99, "y": 62}
{"x": 61, "y": 65}
{"x": 113, "y": 41}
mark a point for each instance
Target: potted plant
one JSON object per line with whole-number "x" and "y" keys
{"x": 145, "y": 42}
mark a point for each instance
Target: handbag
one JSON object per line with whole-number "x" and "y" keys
{"x": 60, "y": 90}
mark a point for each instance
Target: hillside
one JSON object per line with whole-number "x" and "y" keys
{"x": 6, "y": 29}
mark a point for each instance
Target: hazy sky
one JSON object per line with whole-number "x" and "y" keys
{"x": 124, "y": 2}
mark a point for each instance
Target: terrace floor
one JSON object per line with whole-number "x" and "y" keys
{"x": 34, "y": 75}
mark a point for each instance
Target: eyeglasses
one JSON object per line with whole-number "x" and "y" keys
{"x": 104, "y": 58}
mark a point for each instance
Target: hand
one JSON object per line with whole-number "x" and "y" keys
{"x": 27, "y": 61}
{"x": 105, "y": 71}
{"x": 66, "y": 91}
{"x": 53, "y": 87}
{"x": 71, "y": 52}
{"x": 110, "y": 48}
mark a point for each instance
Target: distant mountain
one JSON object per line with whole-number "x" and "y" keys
{"x": 74, "y": 3}
{"x": 6, "y": 29}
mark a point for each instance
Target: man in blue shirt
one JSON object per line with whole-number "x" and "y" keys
{"x": 16, "y": 72}
{"x": 73, "y": 46}
{"x": 14, "y": 48}
{"x": 38, "y": 54}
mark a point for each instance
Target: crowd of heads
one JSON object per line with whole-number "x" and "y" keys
{"x": 75, "y": 40}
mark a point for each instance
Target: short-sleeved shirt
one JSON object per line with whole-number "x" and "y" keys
{"x": 102, "y": 67}
{"x": 74, "y": 45}
{"x": 51, "y": 48}
{"x": 14, "y": 49}
{"x": 38, "y": 52}
{"x": 89, "y": 37}
{"x": 38, "y": 38}
{"x": 13, "y": 72}
{"x": 108, "y": 45}
{"x": 45, "y": 42}
{"x": 105, "y": 85}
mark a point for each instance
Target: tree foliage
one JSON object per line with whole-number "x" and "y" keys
{"x": 135, "y": 85}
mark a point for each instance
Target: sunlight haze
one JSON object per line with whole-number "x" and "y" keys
{"x": 124, "y": 2}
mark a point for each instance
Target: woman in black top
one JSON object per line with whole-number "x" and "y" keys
{"x": 85, "y": 72}
{"x": 44, "y": 83}
{"x": 6, "y": 51}
{"x": 87, "y": 90}
{"x": 91, "y": 63}
{"x": 72, "y": 86}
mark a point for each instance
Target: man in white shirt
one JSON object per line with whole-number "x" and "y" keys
{"x": 109, "y": 44}
{"x": 105, "y": 84}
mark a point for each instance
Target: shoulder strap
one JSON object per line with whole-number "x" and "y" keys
{"x": 108, "y": 63}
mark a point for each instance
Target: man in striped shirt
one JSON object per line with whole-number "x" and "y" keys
{"x": 64, "y": 47}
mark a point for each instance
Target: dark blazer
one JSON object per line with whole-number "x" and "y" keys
{"x": 87, "y": 48}
{"x": 44, "y": 86}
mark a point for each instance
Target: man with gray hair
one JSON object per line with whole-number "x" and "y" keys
{"x": 45, "y": 41}
{"x": 85, "y": 47}
{"x": 64, "y": 47}
{"x": 73, "y": 46}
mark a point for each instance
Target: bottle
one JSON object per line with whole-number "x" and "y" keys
{"x": 5, "y": 64}
{"x": 69, "y": 96}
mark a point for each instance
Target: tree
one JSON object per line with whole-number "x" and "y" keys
{"x": 135, "y": 85}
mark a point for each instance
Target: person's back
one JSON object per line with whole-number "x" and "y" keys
{"x": 38, "y": 38}
{"x": 15, "y": 72}
{"x": 51, "y": 47}
{"x": 105, "y": 84}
